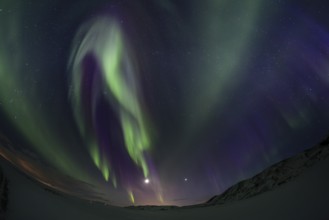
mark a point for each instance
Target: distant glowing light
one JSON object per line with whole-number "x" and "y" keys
{"x": 185, "y": 179}
{"x": 147, "y": 181}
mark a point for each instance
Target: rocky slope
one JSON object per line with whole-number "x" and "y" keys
{"x": 274, "y": 176}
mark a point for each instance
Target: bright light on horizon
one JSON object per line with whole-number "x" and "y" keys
{"x": 147, "y": 181}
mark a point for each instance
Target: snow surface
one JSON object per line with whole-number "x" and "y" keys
{"x": 306, "y": 197}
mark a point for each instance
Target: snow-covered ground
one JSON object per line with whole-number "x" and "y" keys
{"x": 306, "y": 197}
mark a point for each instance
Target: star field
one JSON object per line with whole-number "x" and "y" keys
{"x": 159, "y": 102}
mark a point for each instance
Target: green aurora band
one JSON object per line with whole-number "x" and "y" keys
{"x": 105, "y": 40}
{"x": 21, "y": 102}
{"x": 227, "y": 38}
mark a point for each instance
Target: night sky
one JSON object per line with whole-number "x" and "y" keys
{"x": 160, "y": 102}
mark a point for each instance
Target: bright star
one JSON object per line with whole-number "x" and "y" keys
{"x": 146, "y": 181}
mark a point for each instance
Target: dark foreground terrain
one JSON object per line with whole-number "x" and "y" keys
{"x": 295, "y": 188}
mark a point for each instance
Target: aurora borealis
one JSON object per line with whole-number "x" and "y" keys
{"x": 191, "y": 95}
{"x": 103, "y": 51}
